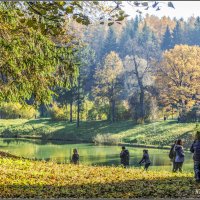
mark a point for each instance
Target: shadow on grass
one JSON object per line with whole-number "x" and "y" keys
{"x": 48, "y": 129}
{"x": 161, "y": 188}
{"x": 89, "y": 125}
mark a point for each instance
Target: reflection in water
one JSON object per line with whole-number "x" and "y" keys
{"x": 61, "y": 152}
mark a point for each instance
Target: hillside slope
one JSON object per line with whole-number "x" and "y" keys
{"x": 158, "y": 133}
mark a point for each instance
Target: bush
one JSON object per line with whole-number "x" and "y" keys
{"x": 87, "y": 110}
{"x": 123, "y": 111}
{"x": 191, "y": 115}
{"x": 58, "y": 113}
{"x": 98, "y": 112}
{"x": 105, "y": 139}
{"x": 16, "y": 110}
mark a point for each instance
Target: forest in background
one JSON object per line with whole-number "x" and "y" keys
{"x": 128, "y": 74}
{"x": 141, "y": 69}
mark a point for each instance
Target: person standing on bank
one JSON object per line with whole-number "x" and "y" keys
{"x": 145, "y": 160}
{"x": 172, "y": 155}
{"x": 75, "y": 157}
{"x": 124, "y": 156}
{"x": 179, "y": 159}
{"x": 195, "y": 149}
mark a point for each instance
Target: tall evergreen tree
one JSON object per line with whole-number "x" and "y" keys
{"x": 177, "y": 35}
{"x": 167, "y": 40}
{"x": 196, "y": 32}
{"x": 136, "y": 23}
{"x": 129, "y": 33}
{"x": 133, "y": 27}
{"x": 145, "y": 35}
{"x": 109, "y": 43}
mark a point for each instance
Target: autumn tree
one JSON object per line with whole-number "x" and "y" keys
{"x": 142, "y": 50}
{"x": 178, "y": 76}
{"x": 137, "y": 80}
{"x": 107, "y": 81}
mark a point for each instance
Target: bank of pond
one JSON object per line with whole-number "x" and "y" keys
{"x": 90, "y": 154}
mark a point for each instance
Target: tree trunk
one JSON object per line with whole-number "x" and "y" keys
{"x": 42, "y": 111}
{"x": 78, "y": 105}
{"x": 112, "y": 104}
{"x": 140, "y": 84}
{"x": 71, "y": 110}
{"x": 113, "y": 111}
{"x": 142, "y": 109}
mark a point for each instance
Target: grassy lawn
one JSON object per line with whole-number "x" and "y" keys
{"x": 24, "y": 178}
{"x": 158, "y": 133}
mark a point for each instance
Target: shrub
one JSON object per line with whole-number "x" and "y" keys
{"x": 98, "y": 112}
{"x": 58, "y": 113}
{"x": 123, "y": 111}
{"x": 87, "y": 110}
{"x": 16, "y": 110}
{"x": 191, "y": 115}
{"x": 105, "y": 139}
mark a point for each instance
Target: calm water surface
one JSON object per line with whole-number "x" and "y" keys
{"x": 91, "y": 154}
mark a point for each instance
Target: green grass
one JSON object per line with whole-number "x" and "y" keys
{"x": 34, "y": 179}
{"x": 158, "y": 133}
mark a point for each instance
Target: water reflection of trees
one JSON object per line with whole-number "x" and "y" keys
{"x": 38, "y": 141}
{"x": 89, "y": 154}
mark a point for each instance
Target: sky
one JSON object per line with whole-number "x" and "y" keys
{"x": 183, "y": 9}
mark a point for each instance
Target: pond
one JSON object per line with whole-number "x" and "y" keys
{"x": 91, "y": 154}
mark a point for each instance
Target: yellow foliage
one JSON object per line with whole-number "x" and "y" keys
{"x": 25, "y": 179}
{"x": 179, "y": 75}
{"x": 106, "y": 78}
{"x": 13, "y": 110}
{"x": 86, "y": 107}
{"x": 58, "y": 113}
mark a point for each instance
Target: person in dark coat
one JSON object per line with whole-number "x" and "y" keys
{"x": 125, "y": 156}
{"x": 75, "y": 157}
{"x": 145, "y": 159}
{"x": 195, "y": 149}
{"x": 179, "y": 159}
{"x": 172, "y": 155}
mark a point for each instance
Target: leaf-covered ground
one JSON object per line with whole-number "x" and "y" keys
{"x": 24, "y": 178}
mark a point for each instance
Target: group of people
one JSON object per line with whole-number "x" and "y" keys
{"x": 176, "y": 155}
{"x": 125, "y": 157}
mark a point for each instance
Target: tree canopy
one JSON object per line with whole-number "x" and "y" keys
{"x": 179, "y": 76}
{"x": 31, "y": 64}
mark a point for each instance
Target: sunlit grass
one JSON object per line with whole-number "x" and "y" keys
{"x": 158, "y": 133}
